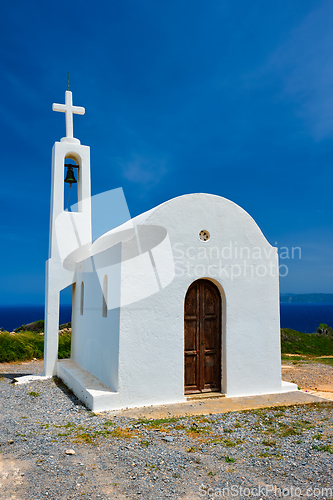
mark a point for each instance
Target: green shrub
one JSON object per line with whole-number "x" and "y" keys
{"x": 293, "y": 342}
{"x": 64, "y": 350}
{"x": 23, "y": 346}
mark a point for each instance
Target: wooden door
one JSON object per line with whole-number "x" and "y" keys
{"x": 202, "y": 338}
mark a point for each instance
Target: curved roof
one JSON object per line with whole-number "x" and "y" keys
{"x": 178, "y": 204}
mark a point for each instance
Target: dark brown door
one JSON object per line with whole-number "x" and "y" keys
{"x": 202, "y": 338}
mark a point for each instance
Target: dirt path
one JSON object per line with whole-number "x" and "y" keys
{"x": 311, "y": 377}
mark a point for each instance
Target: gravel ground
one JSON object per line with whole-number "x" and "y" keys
{"x": 285, "y": 451}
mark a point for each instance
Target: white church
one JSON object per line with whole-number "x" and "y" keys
{"x": 183, "y": 299}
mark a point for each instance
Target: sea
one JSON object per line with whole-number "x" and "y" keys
{"x": 12, "y": 317}
{"x": 301, "y": 317}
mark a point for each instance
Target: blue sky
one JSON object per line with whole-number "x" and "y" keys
{"x": 233, "y": 98}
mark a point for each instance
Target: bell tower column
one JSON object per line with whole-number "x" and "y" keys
{"x": 68, "y": 230}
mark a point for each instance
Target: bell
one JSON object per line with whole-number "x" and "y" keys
{"x": 70, "y": 177}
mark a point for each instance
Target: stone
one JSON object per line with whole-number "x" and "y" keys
{"x": 70, "y": 452}
{"x": 169, "y": 439}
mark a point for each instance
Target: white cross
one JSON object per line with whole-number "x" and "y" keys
{"x": 69, "y": 110}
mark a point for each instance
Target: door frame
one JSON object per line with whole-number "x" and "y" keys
{"x": 223, "y": 327}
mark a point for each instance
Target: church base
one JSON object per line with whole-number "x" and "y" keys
{"x": 98, "y": 397}
{"x": 214, "y": 406}
{"x": 284, "y": 387}
{"x": 89, "y": 389}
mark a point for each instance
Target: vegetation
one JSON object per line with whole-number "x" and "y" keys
{"x": 315, "y": 344}
{"x": 34, "y": 394}
{"x": 27, "y": 342}
{"x": 23, "y": 346}
{"x": 325, "y": 447}
{"x": 36, "y": 326}
{"x": 158, "y": 423}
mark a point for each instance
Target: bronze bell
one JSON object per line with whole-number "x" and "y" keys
{"x": 70, "y": 177}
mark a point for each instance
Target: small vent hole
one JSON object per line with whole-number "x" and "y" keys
{"x": 204, "y": 235}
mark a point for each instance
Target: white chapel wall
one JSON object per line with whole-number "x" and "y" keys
{"x": 95, "y": 338}
{"x": 151, "y": 355}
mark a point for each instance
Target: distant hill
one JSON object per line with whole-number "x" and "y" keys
{"x": 306, "y": 298}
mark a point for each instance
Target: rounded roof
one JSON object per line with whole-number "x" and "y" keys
{"x": 127, "y": 230}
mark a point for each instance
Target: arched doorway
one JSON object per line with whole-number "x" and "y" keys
{"x": 202, "y": 338}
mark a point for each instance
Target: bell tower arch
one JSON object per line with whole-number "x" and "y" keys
{"x": 68, "y": 230}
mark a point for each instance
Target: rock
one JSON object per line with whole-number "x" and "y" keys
{"x": 29, "y": 378}
{"x": 169, "y": 439}
{"x": 70, "y": 452}
{"x": 11, "y": 441}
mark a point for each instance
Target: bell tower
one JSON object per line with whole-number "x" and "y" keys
{"x": 69, "y": 231}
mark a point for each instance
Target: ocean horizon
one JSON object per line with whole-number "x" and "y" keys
{"x": 303, "y": 317}
{"x": 12, "y": 317}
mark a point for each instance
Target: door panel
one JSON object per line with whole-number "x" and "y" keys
{"x": 202, "y": 338}
{"x": 192, "y": 339}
